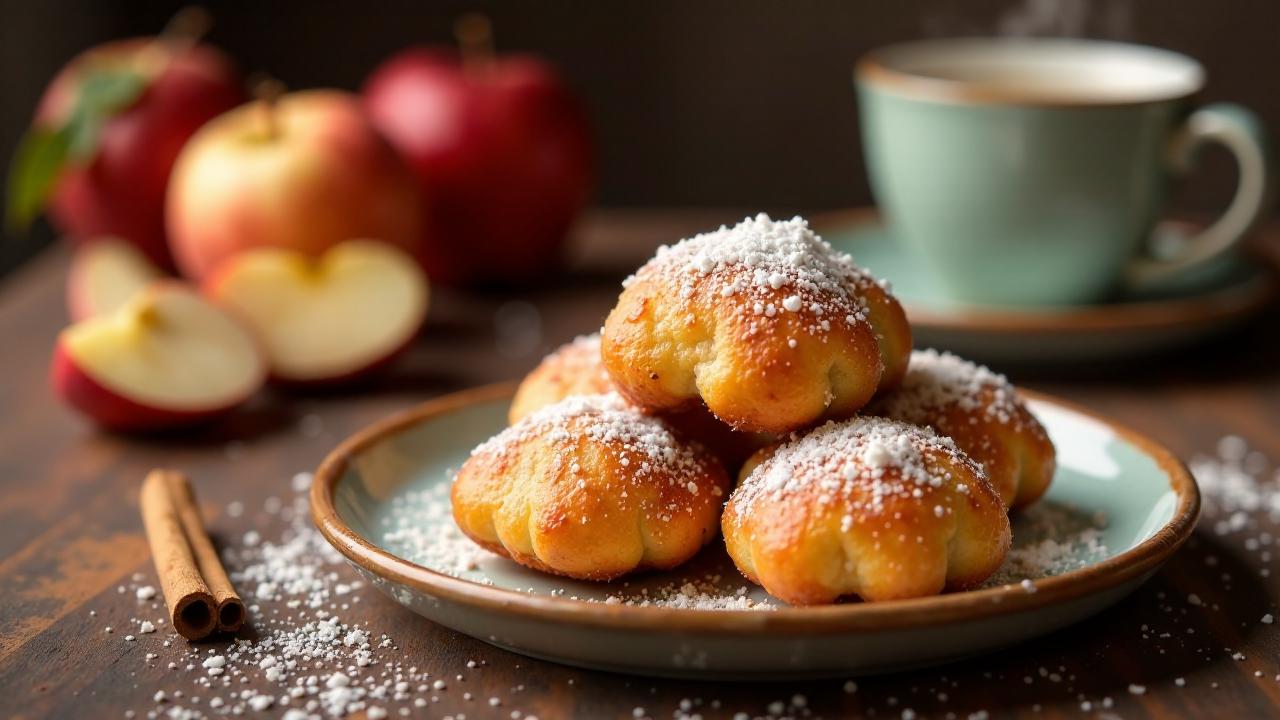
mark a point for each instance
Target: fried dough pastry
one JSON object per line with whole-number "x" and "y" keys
{"x": 982, "y": 412}
{"x": 572, "y": 369}
{"x": 590, "y": 488}
{"x": 575, "y": 368}
{"x": 764, "y": 322}
{"x": 868, "y": 507}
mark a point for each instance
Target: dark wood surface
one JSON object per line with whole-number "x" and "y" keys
{"x": 70, "y": 533}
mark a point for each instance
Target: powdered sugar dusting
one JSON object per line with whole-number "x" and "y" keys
{"x": 705, "y": 593}
{"x": 641, "y": 443}
{"x": 841, "y": 456}
{"x": 772, "y": 268}
{"x": 419, "y": 527}
{"x": 1051, "y": 539}
{"x": 581, "y": 358}
{"x": 588, "y": 346}
{"x": 938, "y": 380}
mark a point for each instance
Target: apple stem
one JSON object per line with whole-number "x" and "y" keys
{"x": 186, "y": 28}
{"x": 181, "y": 33}
{"x": 268, "y": 90}
{"x": 474, "y": 33}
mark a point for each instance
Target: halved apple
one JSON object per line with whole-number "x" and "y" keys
{"x": 167, "y": 357}
{"x": 105, "y": 274}
{"x": 327, "y": 318}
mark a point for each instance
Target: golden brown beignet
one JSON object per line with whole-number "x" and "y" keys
{"x": 590, "y": 488}
{"x": 982, "y": 412}
{"x": 575, "y": 368}
{"x": 869, "y": 507}
{"x": 764, "y": 322}
{"x": 572, "y": 369}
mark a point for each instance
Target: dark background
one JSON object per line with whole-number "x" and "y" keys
{"x": 744, "y": 104}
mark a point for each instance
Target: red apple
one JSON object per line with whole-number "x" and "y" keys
{"x": 105, "y": 274}
{"x": 167, "y": 358}
{"x": 303, "y": 173}
{"x": 120, "y": 189}
{"x": 325, "y": 319}
{"x": 500, "y": 146}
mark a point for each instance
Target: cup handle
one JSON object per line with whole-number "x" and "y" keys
{"x": 1241, "y": 132}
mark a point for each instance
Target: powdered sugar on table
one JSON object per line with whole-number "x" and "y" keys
{"x": 304, "y": 660}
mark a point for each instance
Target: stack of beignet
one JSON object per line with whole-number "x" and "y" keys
{"x": 760, "y": 338}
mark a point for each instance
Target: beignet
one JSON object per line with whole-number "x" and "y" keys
{"x": 869, "y": 507}
{"x": 589, "y": 488}
{"x": 764, "y": 322}
{"x": 982, "y": 412}
{"x": 572, "y": 369}
{"x": 575, "y": 368}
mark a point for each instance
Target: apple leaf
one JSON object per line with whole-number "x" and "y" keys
{"x": 43, "y": 152}
{"x": 103, "y": 95}
{"x": 36, "y": 164}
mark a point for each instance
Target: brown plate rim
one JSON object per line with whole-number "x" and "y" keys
{"x": 1221, "y": 305}
{"x": 1133, "y": 564}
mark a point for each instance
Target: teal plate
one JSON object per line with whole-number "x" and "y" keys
{"x": 1118, "y": 507}
{"x": 1197, "y": 307}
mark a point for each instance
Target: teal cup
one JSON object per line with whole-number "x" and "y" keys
{"x": 1033, "y": 171}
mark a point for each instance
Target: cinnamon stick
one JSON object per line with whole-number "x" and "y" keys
{"x": 185, "y": 559}
{"x": 230, "y": 608}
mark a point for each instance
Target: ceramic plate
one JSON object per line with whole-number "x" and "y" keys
{"x": 1198, "y": 307}
{"x": 381, "y": 498}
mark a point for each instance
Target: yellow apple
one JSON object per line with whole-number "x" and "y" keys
{"x": 304, "y": 173}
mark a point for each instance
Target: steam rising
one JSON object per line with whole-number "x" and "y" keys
{"x": 1045, "y": 18}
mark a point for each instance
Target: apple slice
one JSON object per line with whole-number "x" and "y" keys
{"x": 327, "y": 318}
{"x": 167, "y": 357}
{"x": 105, "y": 274}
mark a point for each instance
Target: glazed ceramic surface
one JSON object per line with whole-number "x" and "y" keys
{"x": 1033, "y": 170}
{"x": 1140, "y": 499}
{"x": 1199, "y": 305}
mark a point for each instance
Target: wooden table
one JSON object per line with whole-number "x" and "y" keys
{"x": 70, "y": 532}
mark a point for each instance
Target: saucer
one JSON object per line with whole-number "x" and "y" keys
{"x": 1129, "y": 326}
